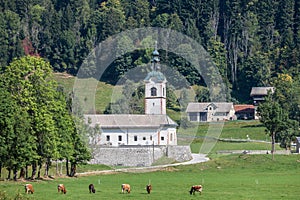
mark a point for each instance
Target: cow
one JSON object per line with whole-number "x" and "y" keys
{"x": 125, "y": 187}
{"x": 92, "y": 188}
{"x": 29, "y": 188}
{"x": 61, "y": 188}
{"x": 149, "y": 188}
{"x": 196, "y": 188}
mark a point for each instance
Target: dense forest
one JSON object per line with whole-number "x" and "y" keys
{"x": 251, "y": 41}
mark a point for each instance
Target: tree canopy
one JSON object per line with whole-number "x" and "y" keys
{"x": 250, "y": 41}
{"x": 36, "y": 125}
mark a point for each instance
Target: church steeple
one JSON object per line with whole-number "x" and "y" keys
{"x": 155, "y": 59}
{"x": 155, "y": 87}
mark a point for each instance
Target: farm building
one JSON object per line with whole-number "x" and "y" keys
{"x": 258, "y": 94}
{"x": 210, "y": 111}
{"x": 244, "y": 111}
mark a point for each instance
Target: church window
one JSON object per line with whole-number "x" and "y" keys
{"x": 163, "y": 91}
{"x": 144, "y": 138}
{"x": 171, "y": 137}
{"x": 153, "y": 91}
{"x": 120, "y": 137}
{"x": 151, "y": 137}
{"x": 135, "y": 138}
{"x": 107, "y": 138}
{"x": 162, "y": 138}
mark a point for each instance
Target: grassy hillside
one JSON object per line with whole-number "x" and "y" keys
{"x": 232, "y": 129}
{"x": 103, "y": 93}
{"x": 230, "y": 177}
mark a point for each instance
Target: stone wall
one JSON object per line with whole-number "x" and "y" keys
{"x": 133, "y": 156}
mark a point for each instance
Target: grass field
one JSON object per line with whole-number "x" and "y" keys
{"x": 228, "y": 177}
{"x": 224, "y": 177}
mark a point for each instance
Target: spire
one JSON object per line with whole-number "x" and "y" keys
{"x": 155, "y": 59}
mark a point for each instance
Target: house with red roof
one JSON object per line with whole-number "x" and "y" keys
{"x": 244, "y": 111}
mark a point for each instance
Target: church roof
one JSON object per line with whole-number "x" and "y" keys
{"x": 155, "y": 76}
{"x": 129, "y": 121}
{"x": 202, "y": 107}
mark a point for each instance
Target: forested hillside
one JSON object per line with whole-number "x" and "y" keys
{"x": 251, "y": 41}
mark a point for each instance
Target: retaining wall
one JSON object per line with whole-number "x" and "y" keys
{"x": 133, "y": 156}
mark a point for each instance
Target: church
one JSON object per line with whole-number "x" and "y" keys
{"x": 152, "y": 128}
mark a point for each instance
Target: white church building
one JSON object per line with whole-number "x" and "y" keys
{"x": 152, "y": 128}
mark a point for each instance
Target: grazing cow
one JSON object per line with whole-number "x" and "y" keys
{"x": 149, "y": 188}
{"x": 125, "y": 187}
{"x": 92, "y": 188}
{"x": 61, "y": 188}
{"x": 196, "y": 188}
{"x": 29, "y": 188}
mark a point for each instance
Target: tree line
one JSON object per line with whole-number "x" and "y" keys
{"x": 250, "y": 41}
{"x": 37, "y": 125}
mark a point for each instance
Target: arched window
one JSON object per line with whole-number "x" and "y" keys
{"x": 153, "y": 91}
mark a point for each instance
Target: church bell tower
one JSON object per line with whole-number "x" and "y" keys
{"x": 155, "y": 88}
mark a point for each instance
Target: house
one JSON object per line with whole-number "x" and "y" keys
{"x": 258, "y": 94}
{"x": 210, "y": 111}
{"x": 244, "y": 111}
{"x": 152, "y": 128}
{"x": 297, "y": 144}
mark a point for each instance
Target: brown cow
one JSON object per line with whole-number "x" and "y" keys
{"x": 61, "y": 188}
{"x": 149, "y": 188}
{"x": 29, "y": 188}
{"x": 196, "y": 188}
{"x": 92, "y": 188}
{"x": 125, "y": 187}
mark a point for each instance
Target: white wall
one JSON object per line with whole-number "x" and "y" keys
{"x": 166, "y": 136}
{"x": 155, "y": 106}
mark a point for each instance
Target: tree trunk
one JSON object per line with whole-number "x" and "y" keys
{"x": 22, "y": 173}
{"x": 67, "y": 167}
{"x": 15, "y": 171}
{"x": 39, "y": 170}
{"x": 47, "y": 166}
{"x": 0, "y": 170}
{"x": 8, "y": 174}
{"x": 61, "y": 167}
{"x": 73, "y": 169}
{"x": 26, "y": 171}
{"x": 273, "y": 144}
{"x": 33, "y": 173}
{"x": 56, "y": 168}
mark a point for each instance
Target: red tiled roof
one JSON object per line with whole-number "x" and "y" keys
{"x": 243, "y": 108}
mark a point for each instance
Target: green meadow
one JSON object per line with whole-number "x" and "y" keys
{"x": 236, "y": 176}
{"x": 227, "y": 177}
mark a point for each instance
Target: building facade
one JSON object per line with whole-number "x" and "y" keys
{"x": 210, "y": 111}
{"x": 152, "y": 128}
{"x": 244, "y": 111}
